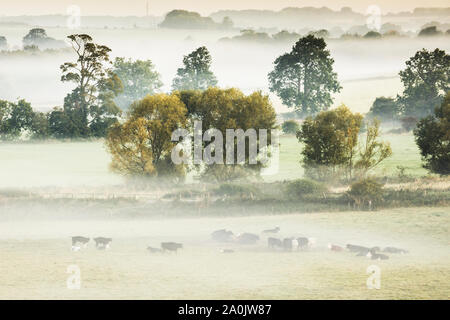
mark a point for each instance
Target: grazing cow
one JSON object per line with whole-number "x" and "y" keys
{"x": 334, "y": 247}
{"x": 376, "y": 256}
{"x": 274, "y": 230}
{"x": 247, "y": 238}
{"x": 274, "y": 242}
{"x": 395, "y": 250}
{"x": 222, "y": 235}
{"x": 355, "y": 248}
{"x": 227, "y": 251}
{"x": 171, "y": 246}
{"x": 81, "y": 240}
{"x": 287, "y": 244}
{"x": 102, "y": 243}
{"x": 302, "y": 242}
{"x": 154, "y": 250}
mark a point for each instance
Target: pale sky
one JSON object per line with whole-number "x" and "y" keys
{"x": 160, "y": 7}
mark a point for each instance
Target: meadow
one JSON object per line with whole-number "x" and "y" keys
{"x": 78, "y": 164}
{"x": 36, "y": 256}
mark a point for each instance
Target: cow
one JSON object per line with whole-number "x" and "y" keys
{"x": 376, "y": 256}
{"x": 274, "y": 242}
{"x": 395, "y": 250}
{"x": 81, "y": 240}
{"x": 222, "y": 235}
{"x": 171, "y": 246}
{"x": 334, "y": 247}
{"x": 247, "y": 238}
{"x": 356, "y": 248}
{"x": 102, "y": 243}
{"x": 154, "y": 250}
{"x": 302, "y": 242}
{"x": 287, "y": 244}
{"x": 274, "y": 230}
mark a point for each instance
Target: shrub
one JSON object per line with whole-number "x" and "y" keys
{"x": 290, "y": 127}
{"x": 302, "y": 187}
{"x": 366, "y": 192}
{"x": 233, "y": 190}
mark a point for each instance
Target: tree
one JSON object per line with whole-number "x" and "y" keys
{"x": 330, "y": 141}
{"x": 224, "y": 109}
{"x": 372, "y": 152}
{"x": 40, "y": 126}
{"x": 372, "y": 35}
{"x": 92, "y": 101}
{"x": 385, "y": 109}
{"x": 429, "y": 31}
{"x": 433, "y": 139}
{"x": 196, "y": 73}
{"x": 34, "y": 37}
{"x": 139, "y": 78}
{"x": 332, "y": 149}
{"x": 304, "y": 77}
{"x": 3, "y": 43}
{"x": 182, "y": 19}
{"x": 290, "y": 127}
{"x": 37, "y": 39}
{"x": 15, "y": 118}
{"x": 425, "y": 80}
{"x": 141, "y": 146}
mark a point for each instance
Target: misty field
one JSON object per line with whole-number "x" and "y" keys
{"x": 36, "y": 254}
{"x": 86, "y": 163}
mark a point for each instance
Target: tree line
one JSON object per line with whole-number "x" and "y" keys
{"x": 108, "y": 91}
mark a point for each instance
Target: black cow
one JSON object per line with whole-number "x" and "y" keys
{"x": 287, "y": 244}
{"x": 302, "y": 242}
{"x": 356, "y": 248}
{"x": 102, "y": 243}
{"x": 247, "y": 238}
{"x": 171, "y": 246}
{"x": 274, "y": 230}
{"x": 222, "y": 235}
{"x": 376, "y": 256}
{"x": 274, "y": 242}
{"x": 79, "y": 239}
{"x": 394, "y": 250}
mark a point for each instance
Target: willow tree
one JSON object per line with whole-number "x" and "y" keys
{"x": 141, "y": 146}
{"x": 304, "y": 78}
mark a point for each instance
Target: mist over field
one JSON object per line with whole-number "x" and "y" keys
{"x": 158, "y": 235}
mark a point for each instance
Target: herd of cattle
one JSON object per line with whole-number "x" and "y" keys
{"x": 228, "y": 237}
{"x": 299, "y": 243}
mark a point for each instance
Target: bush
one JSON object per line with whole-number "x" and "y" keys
{"x": 302, "y": 187}
{"x": 233, "y": 190}
{"x": 290, "y": 127}
{"x": 366, "y": 192}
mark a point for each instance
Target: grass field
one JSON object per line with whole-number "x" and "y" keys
{"x": 36, "y": 255}
{"x": 86, "y": 163}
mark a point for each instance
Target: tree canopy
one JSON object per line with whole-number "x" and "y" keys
{"x": 331, "y": 149}
{"x": 196, "y": 73}
{"x": 90, "y": 108}
{"x": 433, "y": 139}
{"x": 139, "y": 79}
{"x": 141, "y": 146}
{"x": 426, "y": 81}
{"x": 304, "y": 78}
